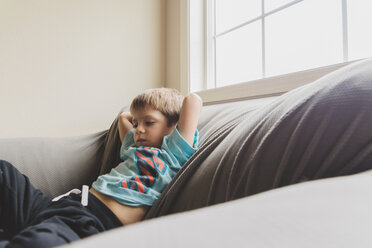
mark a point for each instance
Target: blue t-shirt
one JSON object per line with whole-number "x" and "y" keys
{"x": 145, "y": 171}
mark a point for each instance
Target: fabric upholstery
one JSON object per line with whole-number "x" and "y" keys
{"x": 320, "y": 130}
{"x": 112, "y": 144}
{"x": 56, "y": 165}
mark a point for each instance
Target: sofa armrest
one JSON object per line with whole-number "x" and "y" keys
{"x": 56, "y": 165}
{"x": 333, "y": 212}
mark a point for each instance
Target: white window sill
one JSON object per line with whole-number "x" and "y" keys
{"x": 266, "y": 87}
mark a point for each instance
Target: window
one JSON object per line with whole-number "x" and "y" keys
{"x": 250, "y": 40}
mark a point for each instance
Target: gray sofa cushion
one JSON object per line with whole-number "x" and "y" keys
{"x": 56, "y": 165}
{"x": 112, "y": 144}
{"x": 316, "y": 131}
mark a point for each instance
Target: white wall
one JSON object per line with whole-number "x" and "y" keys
{"x": 173, "y": 44}
{"x": 68, "y": 66}
{"x": 177, "y": 58}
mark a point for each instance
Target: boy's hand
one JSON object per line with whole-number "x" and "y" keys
{"x": 189, "y": 116}
{"x": 124, "y": 124}
{"x": 126, "y": 115}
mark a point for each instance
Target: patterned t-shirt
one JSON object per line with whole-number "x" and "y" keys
{"x": 145, "y": 171}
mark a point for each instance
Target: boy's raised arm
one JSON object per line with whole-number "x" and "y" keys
{"x": 189, "y": 117}
{"x": 124, "y": 124}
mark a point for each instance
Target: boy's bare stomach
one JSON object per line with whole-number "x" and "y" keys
{"x": 126, "y": 214}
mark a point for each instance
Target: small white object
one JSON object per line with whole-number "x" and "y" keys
{"x": 84, "y": 195}
{"x": 75, "y": 191}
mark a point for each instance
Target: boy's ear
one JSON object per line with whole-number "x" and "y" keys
{"x": 170, "y": 129}
{"x": 173, "y": 126}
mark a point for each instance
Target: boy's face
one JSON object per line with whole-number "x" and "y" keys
{"x": 150, "y": 126}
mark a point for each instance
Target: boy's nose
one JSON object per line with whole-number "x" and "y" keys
{"x": 140, "y": 129}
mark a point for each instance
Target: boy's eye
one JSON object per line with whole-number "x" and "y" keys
{"x": 135, "y": 124}
{"x": 149, "y": 123}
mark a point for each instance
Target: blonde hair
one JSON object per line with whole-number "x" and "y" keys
{"x": 166, "y": 100}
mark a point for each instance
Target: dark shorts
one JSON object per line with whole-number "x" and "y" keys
{"x": 98, "y": 209}
{"x": 29, "y": 219}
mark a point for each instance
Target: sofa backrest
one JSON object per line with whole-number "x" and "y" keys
{"x": 316, "y": 131}
{"x": 56, "y": 165}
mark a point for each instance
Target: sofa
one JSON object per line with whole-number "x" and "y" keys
{"x": 285, "y": 171}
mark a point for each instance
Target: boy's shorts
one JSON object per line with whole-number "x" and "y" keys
{"x": 99, "y": 209}
{"x": 29, "y": 219}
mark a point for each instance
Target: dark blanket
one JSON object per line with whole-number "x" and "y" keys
{"x": 320, "y": 130}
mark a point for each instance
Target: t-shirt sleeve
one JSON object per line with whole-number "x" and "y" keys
{"x": 127, "y": 142}
{"x": 179, "y": 147}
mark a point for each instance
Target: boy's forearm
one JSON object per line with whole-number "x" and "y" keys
{"x": 124, "y": 124}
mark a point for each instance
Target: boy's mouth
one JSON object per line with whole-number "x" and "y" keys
{"x": 141, "y": 140}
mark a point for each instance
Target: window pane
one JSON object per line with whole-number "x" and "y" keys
{"x": 238, "y": 55}
{"x": 230, "y": 13}
{"x": 274, "y": 4}
{"x": 360, "y": 36}
{"x": 303, "y": 36}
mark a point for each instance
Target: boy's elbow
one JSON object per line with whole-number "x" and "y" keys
{"x": 194, "y": 99}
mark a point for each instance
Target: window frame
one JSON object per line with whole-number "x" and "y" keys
{"x": 265, "y": 87}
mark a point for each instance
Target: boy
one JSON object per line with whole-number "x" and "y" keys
{"x": 158, "y": 136}
{"x": 153, "y": 119}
